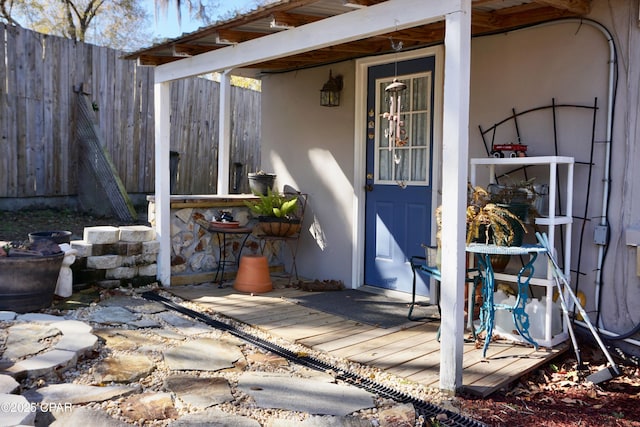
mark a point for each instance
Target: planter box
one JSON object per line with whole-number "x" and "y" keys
{"x": 279, "y": 228}
{"x": 27, "y": 283}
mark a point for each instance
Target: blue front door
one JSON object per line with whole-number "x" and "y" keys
{"x": 398, "y": 209}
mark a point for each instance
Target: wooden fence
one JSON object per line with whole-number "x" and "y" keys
{"x": 40, "y": 78}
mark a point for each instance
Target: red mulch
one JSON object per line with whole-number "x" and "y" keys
{"x": 558, "y": 395}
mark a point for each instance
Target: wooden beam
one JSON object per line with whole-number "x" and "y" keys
{"x": 505, "y": 19}
{"x": 186, "y": 50}
{"x": 385, "y": 17}
{"x": 292, "y": 20}
{"x": 358, "y": 3}
{"x": 162, "y": 117}
{"x": 233, "y": 36}
{"x": 455, "y": 156}
{"x": 579, "y": 7}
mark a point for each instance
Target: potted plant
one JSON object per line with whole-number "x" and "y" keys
{"x": 519, "y": 197}
{"x": 489, "y": 222}
{"x": 28, "y": 274}
{"x": 261, "y": 182}
{"x": 277, "y": 213}
{"x": 492, "y": 223}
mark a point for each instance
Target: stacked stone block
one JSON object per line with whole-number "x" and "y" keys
{"x": 111, "y": 256}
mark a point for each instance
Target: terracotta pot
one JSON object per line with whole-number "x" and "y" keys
{"x": 499, "y": 262}
{"x": 253, "y": 275}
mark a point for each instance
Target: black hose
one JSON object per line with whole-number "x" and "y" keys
{"x": 425, "y": 409}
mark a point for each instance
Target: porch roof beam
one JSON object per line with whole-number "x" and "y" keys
{"x": 392, "y": 15}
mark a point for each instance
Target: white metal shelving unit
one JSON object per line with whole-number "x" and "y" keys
{"x": 548, "y": 219}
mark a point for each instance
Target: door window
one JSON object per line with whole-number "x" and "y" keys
{"x": 404, "y": 163}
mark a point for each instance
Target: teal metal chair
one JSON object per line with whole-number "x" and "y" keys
{"x": 419, "y": 264}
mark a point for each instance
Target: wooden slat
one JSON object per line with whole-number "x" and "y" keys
{"x": 335, "y": 331}
{"x": 359, "y": 339}
{"x": 408, "y": 351}
{"x": 391, "y": 348}
{"x": 37, "y": 119}
{"x": 385, "y": 339}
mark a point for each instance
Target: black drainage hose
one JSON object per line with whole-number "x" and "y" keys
{"x": 424, "y": 409}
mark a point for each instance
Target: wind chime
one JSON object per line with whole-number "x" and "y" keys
{"x": 395, "y": 133}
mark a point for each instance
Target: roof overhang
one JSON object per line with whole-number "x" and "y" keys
{"x": 306, "y": 33}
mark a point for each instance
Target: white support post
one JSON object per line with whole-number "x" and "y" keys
{"x": 454, "y": 182}
{"x": 224, "y": 133}
{"x": 162, "y": 115}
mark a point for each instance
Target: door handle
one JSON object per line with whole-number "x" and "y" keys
{"x": 369, "y": 186}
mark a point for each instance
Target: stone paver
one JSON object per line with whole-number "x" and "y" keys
{"x": 8, "y": 384}
{"x": 123, "y": 368}
{"x": 78, "y": 343}
{"x": 323, "y": 421}
{"x": 197, "y": 392}
{"x": 85, "y": 417}
{"x": 78, "y": 393}
{"x": 203, "y": 355}
{"x": 279, "y": 390}
{"x": 113, "y": 316}
{"x": 26, "y": 339}
{"x": 214, "y": 418}
{"x": 16, "y": 411}
{"x": 135, "y": 331}
{"x": 44, "y": 363}
{"x": 72, "y": 327}
{"x": 149, "y": 406}
{"x": 7, "y": 316}
{"x": 127, "y": 339}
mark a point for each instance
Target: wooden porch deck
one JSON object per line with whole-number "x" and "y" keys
{"x": 409, "y": 351}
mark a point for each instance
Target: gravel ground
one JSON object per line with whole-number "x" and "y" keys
{"x": 554, "y": 395}
{"x": 242, "y": 404}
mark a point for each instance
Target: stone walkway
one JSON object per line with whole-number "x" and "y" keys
{"x": 128, "y": 361}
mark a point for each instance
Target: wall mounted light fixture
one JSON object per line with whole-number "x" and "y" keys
{"x": 330, "y": 92}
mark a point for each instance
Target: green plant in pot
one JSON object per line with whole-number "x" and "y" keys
{"x": 276, "y": 213}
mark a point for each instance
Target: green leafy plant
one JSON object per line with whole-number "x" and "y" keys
{"x": 274, "y": 204}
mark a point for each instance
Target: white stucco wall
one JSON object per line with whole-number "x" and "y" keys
{"x": 311, "y": 148}
{"x": 569, "y": 62}
{"x": 565, "y": 63}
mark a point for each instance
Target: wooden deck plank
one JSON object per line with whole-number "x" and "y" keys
{"x": 267, "y": 316}
{"x": 367, "y": 345}
{"x": 428, "y": 362}
{"x": 350, "y": 328}
{"x": 515, "y": 362}
{"x": 350, "y": 341}
{"x": 387, "y": 349}
{"x": 316, "y": 319}
{"x": 408, "y": 351}
{"x": 264, "y": 313}
{"x": 407, "y": 355}
{"x": 237, "y": 310}
{"x": 430, "y": 376}
{"x": 301, "y": 333}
